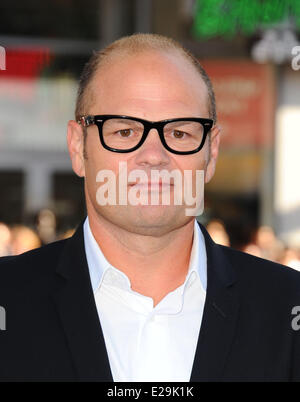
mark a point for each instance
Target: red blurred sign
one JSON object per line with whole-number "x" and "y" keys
{"x": 22, "y": 68}
{"x": 245, "y": 102}
{"x": 25, "y": 62}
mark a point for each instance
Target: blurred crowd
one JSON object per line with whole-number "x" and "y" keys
{"x": 264, "y": 244}
{"x": 17, "y": 239}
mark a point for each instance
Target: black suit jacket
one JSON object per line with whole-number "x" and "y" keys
{"x": 53, "y": 331}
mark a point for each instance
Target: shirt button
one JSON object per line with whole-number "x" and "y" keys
{"x": 152, "y": 318}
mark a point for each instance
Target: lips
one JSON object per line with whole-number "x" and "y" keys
{"x": 152, "y": 186}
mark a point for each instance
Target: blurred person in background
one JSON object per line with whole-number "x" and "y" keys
{"x": 142, "y": 292}
{"x": 66, "y": 234}
{"x": 23, "y": 239}
{"x": 252, "y": 249}
{"x": 46, "y": 226}
{"x": 291, "y": 258}
{"x": 271, "y": 248}
{"x": 218, "y": 233}
{"x": 5, "y": 240}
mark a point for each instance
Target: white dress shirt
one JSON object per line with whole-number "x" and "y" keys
{"x": 146, "y": 343}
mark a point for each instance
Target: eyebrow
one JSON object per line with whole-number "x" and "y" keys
{"x": 125, "y": 120}
{"x": 182, "y": 122}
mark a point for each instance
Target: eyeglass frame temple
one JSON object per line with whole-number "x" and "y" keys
{"x": 89, "y": 120}
{"x": 86, "y": 121}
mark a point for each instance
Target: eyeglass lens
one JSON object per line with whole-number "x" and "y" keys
{"x": 125, "y": 134}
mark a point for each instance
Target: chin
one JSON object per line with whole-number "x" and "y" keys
{"x": 148, "y": 220}
{"x": 153, "y": 220}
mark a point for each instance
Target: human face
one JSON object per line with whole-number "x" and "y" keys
{"x": 152, "y": 86}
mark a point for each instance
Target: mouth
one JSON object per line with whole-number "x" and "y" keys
{"x": 152, "y": 186}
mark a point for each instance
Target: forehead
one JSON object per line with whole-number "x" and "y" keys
{"x": 148, "y": 80}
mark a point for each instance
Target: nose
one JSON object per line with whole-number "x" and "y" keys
{"x": 152, "y": 152}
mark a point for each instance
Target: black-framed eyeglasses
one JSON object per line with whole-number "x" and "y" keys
{"x": 180, "y": 136}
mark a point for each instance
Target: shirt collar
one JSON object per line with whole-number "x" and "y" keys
{"x": 99, "y": 266}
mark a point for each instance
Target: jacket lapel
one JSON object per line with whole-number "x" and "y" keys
{"x": 78, "y": 313}
{"x": 219, "y": 315}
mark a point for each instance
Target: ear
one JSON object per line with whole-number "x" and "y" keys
{"x": 214, "y": 151}
{"x": 75, "y": 141}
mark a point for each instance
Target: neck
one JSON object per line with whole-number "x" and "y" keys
{"x": 156, "y": 265}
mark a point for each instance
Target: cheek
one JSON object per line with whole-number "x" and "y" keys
{"x": 101, "y": 160}
{"x": 97, "y": 156}
{"x": 98, "y": 161}
{"x": 205, "y": 153}
{"x": 193, "y": 162}
{"x": 193, "y": 171}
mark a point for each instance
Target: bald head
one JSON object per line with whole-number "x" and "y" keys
{"x": 135, "y": 45}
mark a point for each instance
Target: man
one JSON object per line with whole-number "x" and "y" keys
{"x": 141, "y": 292}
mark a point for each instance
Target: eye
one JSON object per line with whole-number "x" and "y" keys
{"x": 125, "y": 132}
{"x": 179, "y": 134}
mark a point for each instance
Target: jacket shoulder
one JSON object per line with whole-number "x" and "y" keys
{"x": 37, "y": 262}
{"x": 263, "y": 273}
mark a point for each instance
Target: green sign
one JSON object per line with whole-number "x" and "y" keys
{"x": 229, "y": 17}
